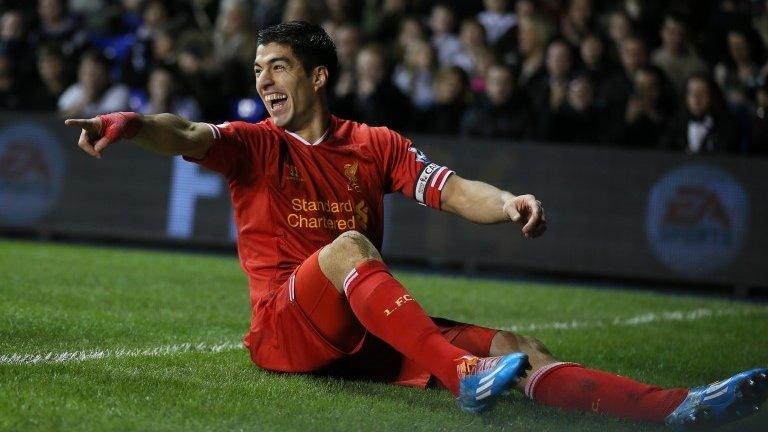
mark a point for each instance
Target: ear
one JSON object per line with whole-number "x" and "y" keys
{"x": 319, "y": 77}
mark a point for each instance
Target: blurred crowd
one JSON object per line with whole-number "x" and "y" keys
{"x": 687, "y": 75}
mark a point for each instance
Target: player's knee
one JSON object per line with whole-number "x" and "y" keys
{"x": 354, "y": 247}
{"x": 343, "y": 254}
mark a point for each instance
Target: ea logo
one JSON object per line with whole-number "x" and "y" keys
{"x": 696, "y": 219}
{"x": 31, "y": 170}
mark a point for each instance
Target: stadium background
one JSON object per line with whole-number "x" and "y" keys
{"x": 640, "y": 124}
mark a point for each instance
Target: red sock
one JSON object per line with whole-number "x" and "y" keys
{"x": 387, "y": 310}
{"x": 572, "y": 387}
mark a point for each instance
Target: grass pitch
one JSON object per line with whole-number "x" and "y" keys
{"x": 152, "y": 343}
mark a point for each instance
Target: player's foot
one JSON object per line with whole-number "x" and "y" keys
{"x": 483, "y": 379}
{"x": 721, "y": 402}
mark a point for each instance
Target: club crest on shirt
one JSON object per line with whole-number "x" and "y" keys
{"x": 420, "y": 156}
{"x": 350, "y": 172}
{"x": 293, "y": 173}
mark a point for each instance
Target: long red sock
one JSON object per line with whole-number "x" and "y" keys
{"x": 572, "y": 387}
{"x": 387, "y": 310}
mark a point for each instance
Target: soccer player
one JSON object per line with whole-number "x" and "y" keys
{"x": 307, "y": 189}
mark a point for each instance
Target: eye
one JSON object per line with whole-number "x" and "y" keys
{"x": 257, "y": 72}
{"x": 279, "y": 67}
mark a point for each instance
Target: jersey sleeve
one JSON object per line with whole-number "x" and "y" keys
{"x": 411, "y": 173}
{"x": 237, "y": 150}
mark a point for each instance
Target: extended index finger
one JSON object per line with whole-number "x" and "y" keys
{"x": 81, "y": 123}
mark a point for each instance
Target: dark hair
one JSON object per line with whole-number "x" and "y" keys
{"x": 309, "y": 43}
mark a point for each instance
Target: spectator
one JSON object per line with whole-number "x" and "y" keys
{"x": 483, "y": 58}
{"x": 705, "y": 126}
{"x": 502, "y": 111}
{"x": 576, "y": 119}
{"x": 382, "y": 21}
{"x": 57, "y": 26}
{"x": 594, "y": 61}
{"x": 619, "y": 28}
{"x": 164, "y": 49}
{"x": 441, "y": 23}
{"x": 472, "y": 38}
{"x": 155, "y": 18}
{"x": 411, "y": 32}
{"x": 130, "y": 18}
{"x": 199, "y": 81}
{"x": 10, "y": 92}
{"x": 497, "y": 19}
{"x": 13, "y": 41}
{"x": 738, "y": 75}
{"x": 376, "y": 101}
{"x": 266, "y": 13}
{"x": 52, "y": 77}
{"x": 618, "y": 87}
{"x": 647, "y": 112}
{"x": 93, "y": 93}
{"x": 164, "y": 96}
{"x": 297, "y": 10}
{"x": 759, "y": 142}
{"x": 233, "y": 42}
{"x": 760, "y": 24}
{"x": 533, "y": 34}
{"x": 675, "y": 57}
{"x": 234, "y": 48}
{"x": 347, "y": 42}
{"x": 415, "y": 77}
{"x": 452, "y": 95}
{"x": 550, "y": 90}
{"x": 343, "y": 11}
{"x": 577, "y": 21}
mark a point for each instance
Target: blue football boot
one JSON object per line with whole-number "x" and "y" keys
{"x": 721, "y": 402}
{"x": 483, "y": 379}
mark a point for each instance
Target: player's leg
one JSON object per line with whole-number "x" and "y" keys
{"x": 571, "y": 386}
{"x": 387, "y": 310}
{"x": 326, "y": 309}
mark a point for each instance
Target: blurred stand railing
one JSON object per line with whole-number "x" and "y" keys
{"x": 612, "y": 212}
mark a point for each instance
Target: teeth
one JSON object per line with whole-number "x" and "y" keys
{"x": 275, "y": 96}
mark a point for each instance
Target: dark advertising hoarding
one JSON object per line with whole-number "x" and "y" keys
{"x": 613, "y": 212}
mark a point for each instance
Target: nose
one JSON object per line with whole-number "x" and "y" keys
{"x": 263, "y": 81}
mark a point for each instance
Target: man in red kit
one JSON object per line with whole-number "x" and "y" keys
{"x": 307, "y": 189}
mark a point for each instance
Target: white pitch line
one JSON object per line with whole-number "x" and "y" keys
{"x": 642, "y": 319}
{"x": 98, "y": 354}
{"x": 168, "y": 350}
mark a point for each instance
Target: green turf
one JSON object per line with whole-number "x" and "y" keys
{"x": 59, "y": 298}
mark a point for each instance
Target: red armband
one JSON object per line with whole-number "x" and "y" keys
{"x": 120, "y": 125}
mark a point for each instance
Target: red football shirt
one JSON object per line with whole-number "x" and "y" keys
{"x": 291, "y": 197}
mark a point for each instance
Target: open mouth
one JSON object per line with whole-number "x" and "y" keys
{"x": 276, "y": 101}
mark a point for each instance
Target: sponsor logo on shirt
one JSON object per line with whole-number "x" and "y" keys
{"x": 361, "y": 214}
{"x": 335, "y": 215}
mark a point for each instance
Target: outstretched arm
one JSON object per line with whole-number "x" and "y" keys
{"x": 482, "y": 203}
{"x": 168, "y": 134}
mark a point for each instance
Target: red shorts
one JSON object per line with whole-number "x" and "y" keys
{"x": 307, "y": 326}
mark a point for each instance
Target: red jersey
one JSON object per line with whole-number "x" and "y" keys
{"x": 291, "y": 197}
